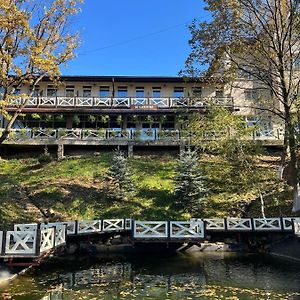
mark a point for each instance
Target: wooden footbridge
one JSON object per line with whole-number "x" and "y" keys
{"x": 30, "y": 243}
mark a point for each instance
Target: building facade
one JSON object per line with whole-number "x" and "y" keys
{"x": 121, "y": 109}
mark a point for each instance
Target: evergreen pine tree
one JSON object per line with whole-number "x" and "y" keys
{"x": 190, "y": 188}
{"x": 120, "y": 173}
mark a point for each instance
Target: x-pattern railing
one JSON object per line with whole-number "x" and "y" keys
{"x": 186, "y": 229}
{"x": 23, "y": 241}
{"x": 47, "y": 239}
{"x": 152, "y": 229}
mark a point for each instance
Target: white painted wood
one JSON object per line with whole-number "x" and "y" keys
{"x": 102, "y": 101}
{"x": 89, "y": 226}
{"x": 263, "y": 224}
{"x": 84, "y": 101}
{"x": 160, "y": 102}
{"x": 297, "y": 226}
{"x": 60, "y": 235}
{"x": 287, "y": 223}
{"x": 128, "y": 224}
{"x": 65, "y": 101}
{"x": 47, "y": 101}
{"x": 112, "y": 224}
{"x": 1, "y": 241}
{"x": 214, "y": 224}
{"x": 25, "y": 227}
{"x": 71, "y": 226}
{"x": 186, "y": 229}
{"x": 150, "y": 229}
{"x": 139, "y": 101}
{"x": 121, "y": 102}
{"x": 47, "y": 239}
{"x": 239, "y": 224}
{"x": 20, "y": 242}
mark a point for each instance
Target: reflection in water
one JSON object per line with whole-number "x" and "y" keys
{"x": 195, "y": 276}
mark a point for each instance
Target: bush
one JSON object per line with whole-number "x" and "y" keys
{"x": 45, "y": 157}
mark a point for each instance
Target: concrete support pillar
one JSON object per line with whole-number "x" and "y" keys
{"x": 60, "y": 151}
{"x": 130, "y": 150}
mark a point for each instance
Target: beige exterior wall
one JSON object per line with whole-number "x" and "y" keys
{"x": 167, "y": 89}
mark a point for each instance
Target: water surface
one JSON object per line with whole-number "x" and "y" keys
{"x": 157, "y": 276}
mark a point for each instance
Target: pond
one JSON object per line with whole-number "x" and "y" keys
{"x": 158, "y": 276}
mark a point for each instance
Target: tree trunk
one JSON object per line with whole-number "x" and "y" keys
{"x": 290, "y": 131}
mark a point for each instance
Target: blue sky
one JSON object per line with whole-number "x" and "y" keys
{"x": 134, "y": 37}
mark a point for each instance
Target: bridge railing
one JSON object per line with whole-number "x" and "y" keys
{"x": 186, "y": 229}
{"x": 150, "y": 229}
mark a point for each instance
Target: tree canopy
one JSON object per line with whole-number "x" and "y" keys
{"x": 35, "y": 40}
{"x": 259, "y": 38}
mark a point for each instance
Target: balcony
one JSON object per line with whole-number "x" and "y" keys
{"x": 125, "y": 103}
{"x": 117, "y": 135}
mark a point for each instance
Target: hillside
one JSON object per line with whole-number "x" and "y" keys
{"x": 73, "y": 189}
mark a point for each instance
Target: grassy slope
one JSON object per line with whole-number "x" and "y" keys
{"x": 67, "y": 190}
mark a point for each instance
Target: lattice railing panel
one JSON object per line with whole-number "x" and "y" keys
{"x": 102, "y": 101}
{"x": 186, "y": 229}
{"x": 47, "y": 239}
{"x": 89, "y": 226}
{"x": 66, "y": 101}
{"x": 82, "y": 101}
{"x": 121, "y": 102}
{"x": 214, "y": 224}
{"x": 160, "y": 102}
{"x": 112, "y": 224}
{"x": 47, "y": 101}
{"x": 150, "y": 229}
{"x": 267, "y": 224}
{"x": 239, "y": 224}
{"x": 20, "y": 242}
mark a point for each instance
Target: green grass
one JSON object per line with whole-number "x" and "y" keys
{"x": 68, "y": 189}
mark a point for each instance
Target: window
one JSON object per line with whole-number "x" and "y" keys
{"x": 104, "y": 91}
{"x": 70, "y": 91}
{"x": 156, "y": 92}
{"x": 51, "y": 91}
{"x": 140, "y": 92}
{"x": 251, "y": 94}
{"x": 219, "y": 93}
{"x": 197, "y": 92}
{"x": 178, "y": 92}
{"x": 87, "y": 91}
{"x": 122, "y": 91}
{"x": 35, "y": 92}
{"x": 16, "y": 91}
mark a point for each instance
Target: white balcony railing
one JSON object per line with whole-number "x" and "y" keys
{"x": 96, "y": 102}
{"x": 127, "y": 134}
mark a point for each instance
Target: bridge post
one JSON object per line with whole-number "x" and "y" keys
{"x": 282, "y": 223}
{"x": 38, "y": 240}
{"x": 204, "y": 228}
{"x": 76, "y": 227}
{"x": 54, "y": 240}
{"x": 252, "y": 224}
{"x": 225, "y": 224}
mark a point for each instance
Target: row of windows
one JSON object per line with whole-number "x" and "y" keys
{"x": 121, "y": 91}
